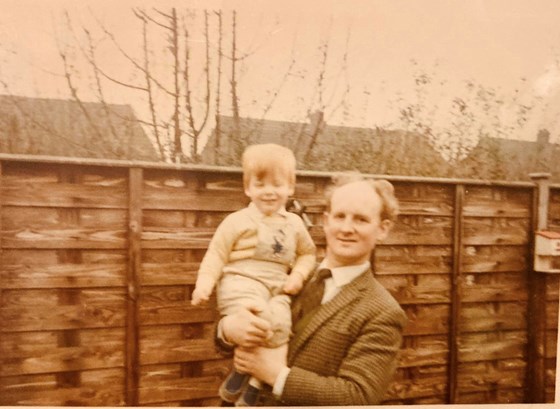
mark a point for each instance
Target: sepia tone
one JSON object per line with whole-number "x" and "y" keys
{"x": 110, "y": 193}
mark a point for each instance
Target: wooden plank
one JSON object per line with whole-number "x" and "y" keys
{"x": 176, "y": 218}
{"x": 483, "y": 259}
{"x": 455, "y": 293}
{"x": 157, "y": 352}
{"x": 171, "y": 237}
{"x": 484, "y": 201}
{"x": 172, "y": 332}
{"x": 551, "y": 343}
{"x": 41, "y": 298}
{"x": 168, "y": 273}
{"x": 536, "y": 310}
{"x": 175, "y": 313}
{"x": 487, "y": 287}
{"x": 179, "y": 389}
{"x": 103, "y": 387}
{"x": 165, "y": 295}
{"x": 24, "y": 193}
{"x": 493, "y": 350}
{"x": 77, "y": 358}
{"x": 132, "y": 353}
{"x": 62, "y": 317}
{"x": 424, "y": 351}
{"x": 179, "y": 198}
{"x": 3, "y": 352}
{"x": 490, "y": 380}
{"x": 71, "y": 238}
{"x": 424, "y": 199}
{"x": 497, "y": 231}
{"x": 427, "y": 319}
{"x": 44, "y": 218}
{"x": 551, "y": 309}
{"x": 480, "y": 317}
{"x": 412, "y": 389}
{"x": 423, "y": 289}
{"x": 421, "y": 230}
{"x": 22, "y": 276}
{"x": 399, "y": 260}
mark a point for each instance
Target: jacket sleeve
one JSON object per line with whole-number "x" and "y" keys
{"x": 364, "y": 374}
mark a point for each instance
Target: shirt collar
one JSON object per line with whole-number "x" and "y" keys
{"x": 345, "y": 274}
{"x": 257, "y": 213}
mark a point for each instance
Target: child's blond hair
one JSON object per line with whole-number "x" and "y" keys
{"x": 268, "y": 159}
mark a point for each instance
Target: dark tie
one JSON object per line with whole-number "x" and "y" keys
{"x": 315, "y": 291}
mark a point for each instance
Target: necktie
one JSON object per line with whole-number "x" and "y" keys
{"x": 315, "y": 291}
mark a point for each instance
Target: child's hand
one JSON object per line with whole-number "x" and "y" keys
{"x": 294, "y": 283}
{"x": 200, "y": 296}
{"x": 202, "y": 291}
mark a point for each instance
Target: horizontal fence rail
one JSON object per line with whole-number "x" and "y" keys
{"x": 99, "y": 258}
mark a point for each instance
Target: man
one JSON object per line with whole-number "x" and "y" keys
{"x": 343, "y": 352}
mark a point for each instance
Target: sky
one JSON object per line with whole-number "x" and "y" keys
{"x": 509, "y": 46}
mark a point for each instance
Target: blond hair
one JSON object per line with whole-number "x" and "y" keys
{"x": 384, "y": 188}
{"x": 268, "y": 159}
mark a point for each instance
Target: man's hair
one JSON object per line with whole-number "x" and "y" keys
{"x": 384, "y": 188}
{"x": 268, "y": 159}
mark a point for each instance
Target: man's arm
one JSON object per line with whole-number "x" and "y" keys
{"x": 364, "y": 374}
{"x": 362, "y": 378}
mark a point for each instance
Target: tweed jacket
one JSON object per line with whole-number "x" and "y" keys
{"x": 348, "y": 351}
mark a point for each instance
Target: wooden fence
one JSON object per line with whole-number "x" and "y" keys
{"x": 98, "y": 260}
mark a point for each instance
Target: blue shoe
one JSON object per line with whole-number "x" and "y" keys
{"x": 249, "y": 397}
{"x": 231, "y": 388}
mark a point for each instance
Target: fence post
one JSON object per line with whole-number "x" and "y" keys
{"x": 132, "y": 352}
{"x": 536, "y": 314}
{"x": 3, "y": 354}
{"x": 455, "y": 292}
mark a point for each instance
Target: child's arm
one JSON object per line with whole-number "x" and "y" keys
{"x": 305, "y": 259}
{"x": 214, "y": 260}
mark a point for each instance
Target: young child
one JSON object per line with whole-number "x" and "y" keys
{"x": 252, "y": 252}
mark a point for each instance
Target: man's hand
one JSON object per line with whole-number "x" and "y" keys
{"x": 245, "y": 328}
{"x": 263, "y": 363}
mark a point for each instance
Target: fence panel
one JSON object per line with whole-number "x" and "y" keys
{"x": 62, "y": 279}
{"x": 98, "y": 264}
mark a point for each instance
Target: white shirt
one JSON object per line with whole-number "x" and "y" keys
{"x": 340, "y": 277}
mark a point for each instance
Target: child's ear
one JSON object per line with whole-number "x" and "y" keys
{"x": 292, "y": 190}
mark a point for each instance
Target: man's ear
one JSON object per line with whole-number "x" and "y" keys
{"x": 325, "y": 218}
{"x": 384, "y": 228}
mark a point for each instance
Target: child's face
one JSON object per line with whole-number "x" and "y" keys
{"x": 269, "y": 193}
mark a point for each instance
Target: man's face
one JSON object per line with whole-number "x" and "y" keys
{"x": 353, "y": 226}
{"x": 269, "y": 193}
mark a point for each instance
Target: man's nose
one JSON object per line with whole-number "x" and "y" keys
{"x": 347, "y": 224}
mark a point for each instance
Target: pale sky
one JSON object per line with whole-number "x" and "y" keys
{"x": 506, "y": 45}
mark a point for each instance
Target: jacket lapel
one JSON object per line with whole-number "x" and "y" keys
{"x": 347, "y": 294}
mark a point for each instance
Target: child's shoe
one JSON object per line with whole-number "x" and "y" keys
{"x": 249, "y": 397}
{"x": 231, "y": 388}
